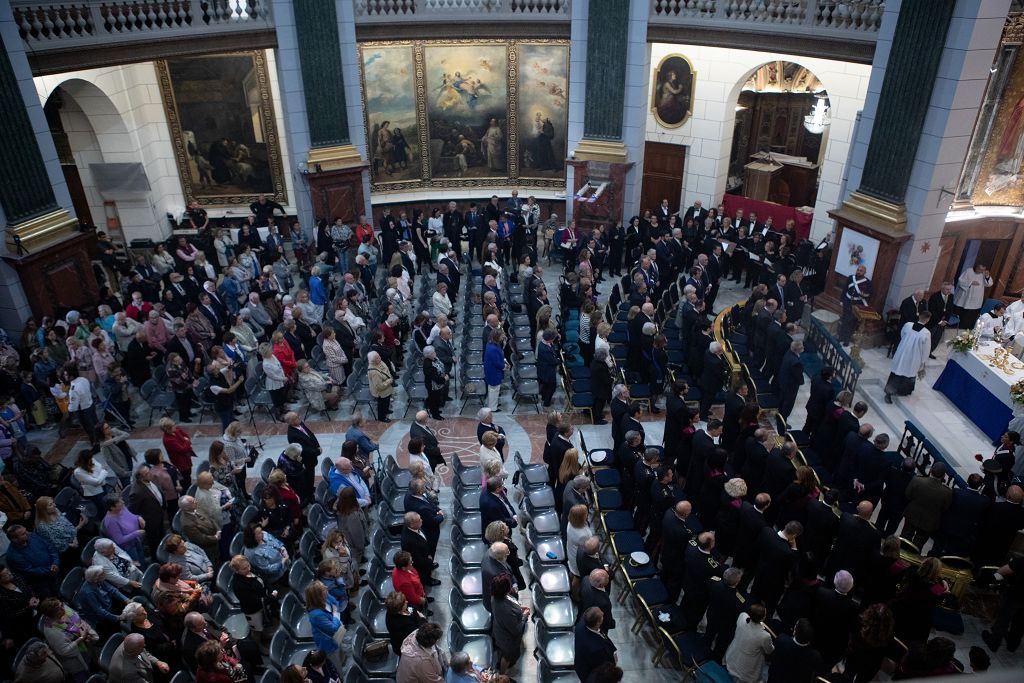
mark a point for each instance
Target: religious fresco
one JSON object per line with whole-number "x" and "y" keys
{"x": 672, "y": 93}
{"x": 544, "y": 110}
{"x": 467, "y": 110}
{"x": 221, "y": 117}
{"x": 992, "y": 174}
{"x": 468, "y": 113}
{"x": 392, "y": 130}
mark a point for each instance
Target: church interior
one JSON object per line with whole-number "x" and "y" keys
{"x": 596, "y": 340}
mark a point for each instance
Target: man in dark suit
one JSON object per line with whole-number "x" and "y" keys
{"x": 894, "y": 495}
{"x": 701, "y": 563}
{"x": 422, "y": 431}
{"x": 726, "y": 601}
{"x": 996, "y": 535}
{"x": 857, "y": 540}
{"x": 779, "y": 470}
{"x": 588, "y": 556}
{"x": 595, "y": 591}
{"x": 703, "y": 445}
{"x": 755, "y": 459}
{"x": 486, "y": 424}
{"x": 822, "y": 395}
{"x": 416, "y": 501}
{"x": 676, "y": 535}
{"x": 777, "y": 292}
{"x": 780, "y": 336}
{"x": 697, "y": 212}
{"x": 299, "y": 433}
{"x": 547, "y": 367}
{"x": 794, "y": 659}
{"x": 495, "y": 563}
{"x": 796, "y": 299}
{"x": 592, "y": 646}
{"x": 751, "y": 521}
{"x": 759, "y": 341}
{"x": 712, "y": 377}
{"x": 962, "y": 522}
{"x": 821, "y": 523}
{"x": 452, "y": 224}
{"x": 415, "y": 542}
{"x": 940, "y": 305}
{"x": 554, "y": 452}
{"x": 790, "y": 378}
{"x": 735, "y": 401}
{"x": 776, "y": 559}
{"x": 715, "y": 270}
{"x": 495, "y": 506}
{"x": 149, "y": 505}
{"x": 912, "y": 307}
{"x": 619, "y": 406}
{"x": 454, "y": 274}
{"x": 834, "y": 616}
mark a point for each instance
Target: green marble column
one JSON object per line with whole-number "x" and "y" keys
{"x": 316, "y": 24}
{"x": 903, "y": 102}
{"x": 607, "y": 26}
{"x": 25, "y": 189}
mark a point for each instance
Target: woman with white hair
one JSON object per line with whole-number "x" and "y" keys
{"x": 335, "y": 356}
{"x": 316, "y": 389}
{"x": 275, "y": 380}
{"x": 382, "y": 384}
{"x": 435, "y": 378}
{"x": 442, "y": 304}
{"x": 124, "y": 329}
{"x": 121, "y": 571}
{"x": 151, "y": 627}
{"x": 195, "y": 564}
{"x": 100, "y": 601}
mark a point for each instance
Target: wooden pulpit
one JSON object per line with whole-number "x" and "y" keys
{"x": 758, "y": 179}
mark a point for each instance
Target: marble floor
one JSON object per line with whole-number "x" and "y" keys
{"x": 931, "y": 411}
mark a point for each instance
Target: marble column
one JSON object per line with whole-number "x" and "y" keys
{"x": 913, "y": 138}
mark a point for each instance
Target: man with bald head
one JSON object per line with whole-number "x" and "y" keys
{"x": 199, "y": 528}
{"x": 857, "y": 541}
{"x": 588, "y": 556}
{"x": 702, "y": 562}
{"x": 414, "y": 542}
{"x": 751, "y": 520}
{"x": 422, "y": 431}
{"x": 343, "y": 475}
{"x": 132, "y": 663}
{"x": 299, "y": 433}
{"x": 495, "y": 563}
{"x": 595, "y": 592}
{"x": 430, "y": 515}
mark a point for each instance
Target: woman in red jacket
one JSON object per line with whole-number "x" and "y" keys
{"x": 178, "y": 445}
{"x": 284, "y": 355}
{"x": 407, "y": 581}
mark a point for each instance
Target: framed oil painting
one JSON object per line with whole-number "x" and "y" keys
{"x": 856, "y": 250}
{"x": 392, "y": 125}
{"x": 221, "y": 117}
{"x": 471, "y": 113}
{"x": 673, "y": 91}
{"x": 543, "y": 109}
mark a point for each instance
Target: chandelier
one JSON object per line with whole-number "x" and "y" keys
{"x": 819, "y": 119}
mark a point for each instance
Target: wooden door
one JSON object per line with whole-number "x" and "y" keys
{"x": 663, "y": 176}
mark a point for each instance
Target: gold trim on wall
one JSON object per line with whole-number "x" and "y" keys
{"x": 654, "y": 90}
{"x": 512, "y": 144}
{"x": 268, "y": 123}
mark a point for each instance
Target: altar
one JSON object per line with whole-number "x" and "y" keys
{"x": 979, "y": 389}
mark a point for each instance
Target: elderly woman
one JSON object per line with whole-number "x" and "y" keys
{"x": 435, "y": 378}
{"x": 245, "y": 334}
{"x": 488, "y": 448}
{"x": 175, "y": 597}
{"x": 251, "y": 592}
{"x": 335, "y": 355}
{"x": 216, "y": 502}
{"x": 159, "y": 641}
{"x": 289, "y": 497}
{"x": 316, "y": 388}
{"x": 120, "y": 570}
{"x": 100, "y": 601}
{"x": 577, "y": 530}
{"x": 70, "y": 637}
{"x": 275, "y": 518}
{"x": 125, "y": 329}
{"x": 420, "y": 470}
{"x": 195, "y": 565}
{"x": 275, "y": 378}
{"x": 52, "y": 525}
{"x": 382, "y": 385}
{"x": 290, "y": 463}
{"x": 215, "y": 665}
{"x": 225, "y": 246}
{"x": 401, "y": 619}
{"x": 265, "y": 553}
{"x": 124, "y": 528}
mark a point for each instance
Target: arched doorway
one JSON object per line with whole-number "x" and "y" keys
{"x": 782, "y": 110}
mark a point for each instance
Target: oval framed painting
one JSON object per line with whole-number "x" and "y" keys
{"x": 673, "y": 90}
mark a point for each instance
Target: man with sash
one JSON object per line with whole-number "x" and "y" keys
{"x": 856, "y": 293}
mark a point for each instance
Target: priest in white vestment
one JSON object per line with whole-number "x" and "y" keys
{"x": 970, "y": 294}
{"x": 990, "y": 324}
{"x": 910, "y": 357}
{"x": 1015, "y": 317}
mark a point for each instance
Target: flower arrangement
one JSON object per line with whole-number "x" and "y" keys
{"x": 964, "y": 341}
{"x": 1017, "y": 392}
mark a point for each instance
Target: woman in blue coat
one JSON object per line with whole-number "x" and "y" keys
{"x": 494, "y": 368}
{"x": 325, "y": 620}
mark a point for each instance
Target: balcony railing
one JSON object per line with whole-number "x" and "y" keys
{"x": 378, "y": 11}
{"x": 853, "y": 19}
{"x": 46, "y": 26}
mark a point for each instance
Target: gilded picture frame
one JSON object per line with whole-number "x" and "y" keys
{"x": 445, "y": 84}
{"x": 220, "y": 114}
{"x": 673, "y": 90}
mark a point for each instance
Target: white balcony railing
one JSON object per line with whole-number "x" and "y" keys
{"x": 376, "y": 11}
{"x": 856, "y": 19}
{"x": 46, "y": 26}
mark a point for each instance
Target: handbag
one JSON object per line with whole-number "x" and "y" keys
{"x": 376, "y": 650}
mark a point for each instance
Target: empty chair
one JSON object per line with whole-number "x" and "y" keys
{"x": 294, "y": 618}
{"x": 299, "y": 576}
{"x": 284, "y": 651}
{"x": 467, "y": 580}
{"x": 373, "y": 614}
{"x": 230, "y": 618}
{"x": 237, "y": 544}
{"x": 271, "y": 675}
{"x": 107, "y": 653}
{"x": 557, "y": 612}
{"x": 470, "y": 614}
{"x": 249, "y": 514}
{"x": 322, "y": 494}
{"x": 477, "y": 645}
{"x": 379, "y": 580}
{"x": 319, "y": 521}
{"x": 70, "y": 585}
{"x": 552, "y": 579}
{"x": 547, "y": 674}
{"x": 468, "y": 475}
{"x": 532, "y": 474}
{"x": 541, "y": 498}
{"x": 470, "y": 551}
{"x": 557, "y": 648}
{"x": 398, "y": 476}
{"x": 309, "y": 547}
{"x": 470, "y": 523}
{"x": 224, "y": 576}
{"x": 384, "y": 547}
{"x": 176, "y": 526}
{"x": 88, "y": 550}
{"x": 386, "y": 667}
{"x": 544, "y": 520}
{"x": 149, "y": 578}
{"x": 266, "y": 467}
{"x": 550, "y": 549}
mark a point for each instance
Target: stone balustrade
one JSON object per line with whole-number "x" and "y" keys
{"x": 858, "y": 19}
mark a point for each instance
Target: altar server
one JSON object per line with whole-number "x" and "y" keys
{"x": 909, "y": 359}
{"x": 970, "y": 294}
{"x": 990, "y": 324}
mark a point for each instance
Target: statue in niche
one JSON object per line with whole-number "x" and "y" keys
{"x": 492, "y": 146}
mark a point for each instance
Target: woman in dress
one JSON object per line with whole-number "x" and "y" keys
{"x": 335, "y": 356}
{"x": 124, "y": 528}
{"x": 577, "y": 531}
{"x": 225, "y": 471}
